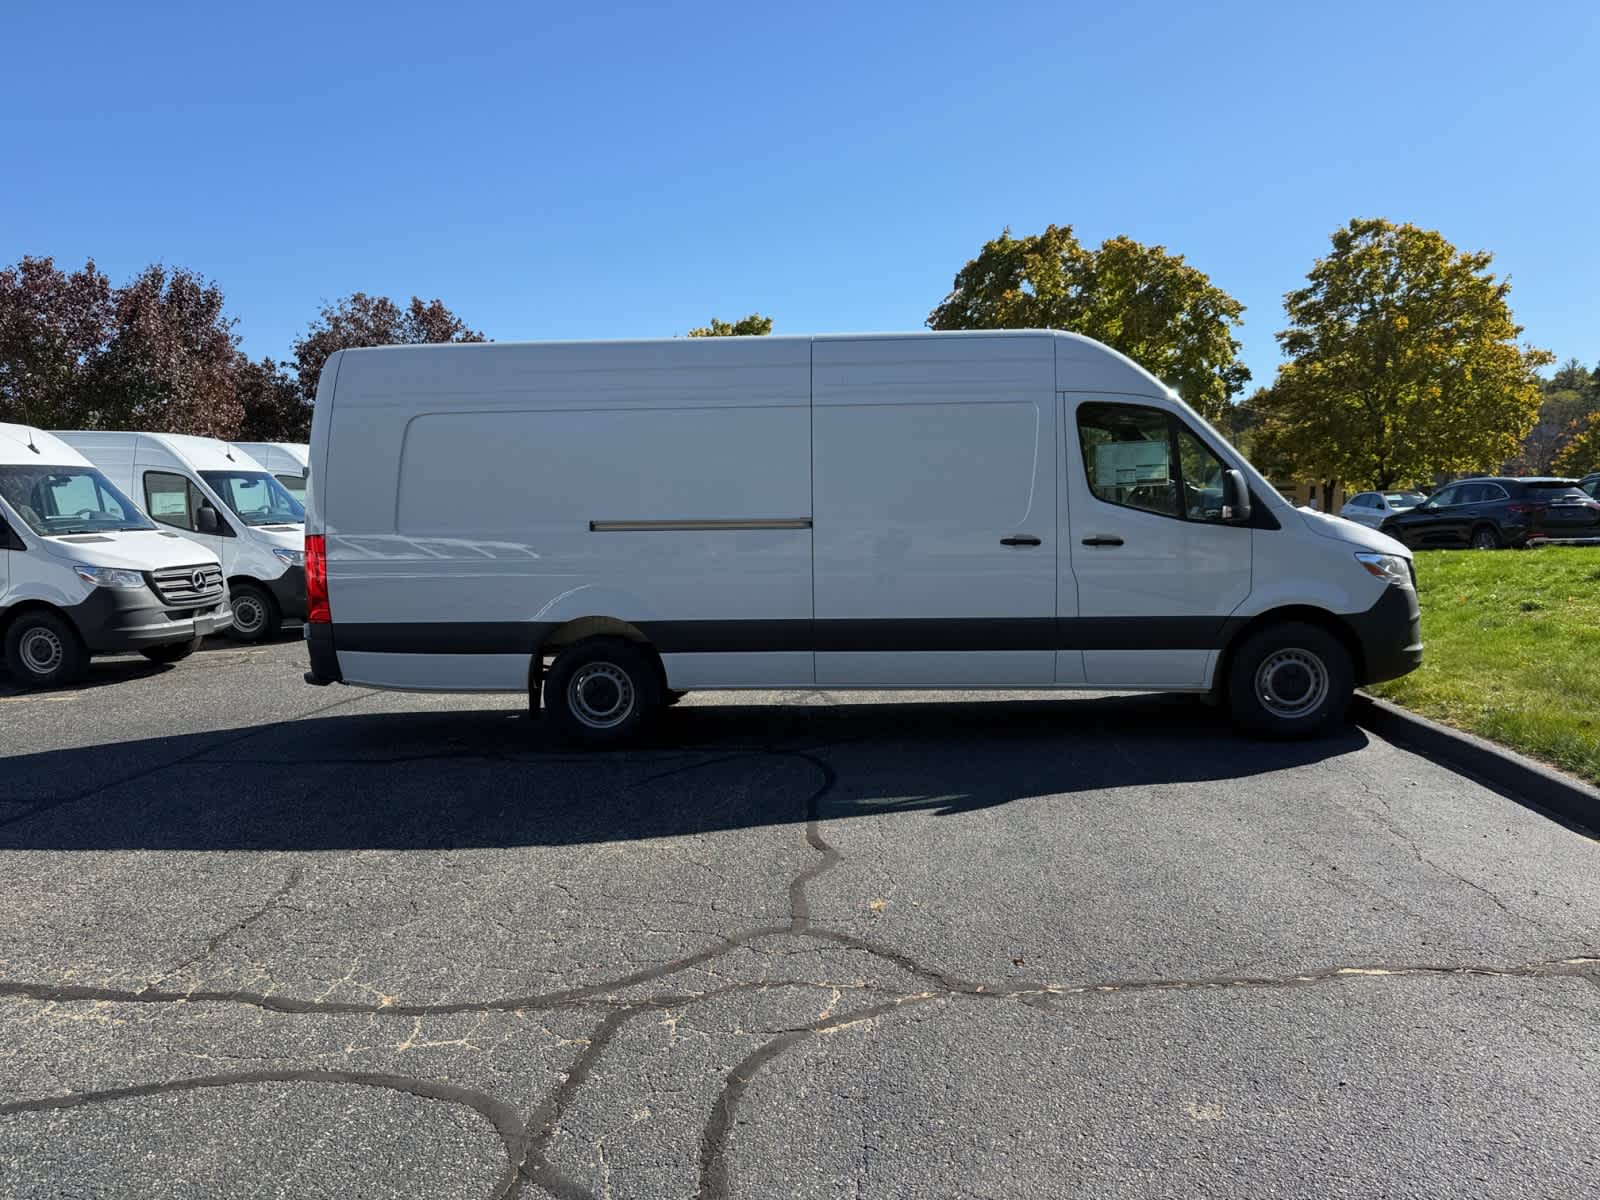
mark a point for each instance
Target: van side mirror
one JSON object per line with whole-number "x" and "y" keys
{"x": 1235, "y": 496}
{"x": 205, "y": 519}
{"x": 8, "y": 539}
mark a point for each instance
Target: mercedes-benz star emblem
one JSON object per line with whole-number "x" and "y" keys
{"x": 199, "y": 581}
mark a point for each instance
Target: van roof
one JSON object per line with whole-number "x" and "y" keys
{"x": 198, "y": 453}
{"x": 1089, "y": 364}
{"x": 53, "y": 451}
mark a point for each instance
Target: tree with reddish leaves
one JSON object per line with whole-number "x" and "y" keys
{"x": 53, "y": 328}
{"x": 363, "y": 320}
{"x": 173, "y": 360}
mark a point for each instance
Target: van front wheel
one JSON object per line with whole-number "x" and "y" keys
{"x": 1290, "y": 680}
{"x": 255, "y": 613}
{"x": 43, "y": 650}
{"x": 602, "y": 692}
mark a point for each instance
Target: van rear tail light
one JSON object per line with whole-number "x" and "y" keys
{"x": 317, "y": 581}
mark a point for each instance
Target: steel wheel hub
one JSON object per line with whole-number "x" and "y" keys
{"x": 1291, "y": 683}
{"x": 601, "y": 695}
{"x": 42, "y": 651}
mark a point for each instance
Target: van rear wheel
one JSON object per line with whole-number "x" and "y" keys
{"x": 1290, "y": 680}
{"x": 602, "y": 692}
{"x": 44, "y": 650}
{"x": 255, "y": 613}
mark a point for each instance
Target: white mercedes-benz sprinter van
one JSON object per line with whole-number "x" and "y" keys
{"x": 226, "y": 501}
{"x": 285, "y": 460}
{"x": 610, "y": 523}
{"x": 83, "y": 571}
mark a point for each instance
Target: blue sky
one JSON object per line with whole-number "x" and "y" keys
{"x": 571, "y": 170}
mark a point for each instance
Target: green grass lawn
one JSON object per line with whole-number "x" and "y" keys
{"x": 1513, "y": 650}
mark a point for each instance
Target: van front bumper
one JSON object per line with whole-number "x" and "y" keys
{"x": 289, "y": 590}
{"x": 112, "y": 620}
{"x": 1389, "y": 634}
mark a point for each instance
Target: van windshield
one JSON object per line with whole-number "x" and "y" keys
{"x": 256, "y": 497}
{"x": 59, "y": 500}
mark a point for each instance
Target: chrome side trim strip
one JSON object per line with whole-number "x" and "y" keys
{"x": 679, "y": 526}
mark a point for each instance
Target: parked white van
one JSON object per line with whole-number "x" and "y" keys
{"x": 83, "y": 571}
{"x": 285, "y": 460}
{"x": 610, "y": 523}
{"x": 226, "y": 501}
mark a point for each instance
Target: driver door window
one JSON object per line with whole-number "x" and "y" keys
{"x": 170, "y": 499}
{"x": 1145, "y": 458}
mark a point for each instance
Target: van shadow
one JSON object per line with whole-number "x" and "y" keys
{"x": 485, "y": 779}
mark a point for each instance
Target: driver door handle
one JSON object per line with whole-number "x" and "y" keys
{"x": 1020, "y": 539}
{"x": 1102, "y": 539}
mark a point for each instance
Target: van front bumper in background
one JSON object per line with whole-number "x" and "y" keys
{"x": 1389, "y": 634}
{"x": 289, "y": 590}
{"x": 112, "y": 620}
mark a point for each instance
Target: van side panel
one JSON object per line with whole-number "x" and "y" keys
{"x": 926, "y": 454}
{"x": 480, "y": 500}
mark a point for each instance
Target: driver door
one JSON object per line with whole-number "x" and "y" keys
{"x": 1158, "y": 569}
{"x": 173, "y": 499}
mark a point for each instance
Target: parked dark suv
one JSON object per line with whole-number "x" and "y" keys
{"x": 1489, "y": 513}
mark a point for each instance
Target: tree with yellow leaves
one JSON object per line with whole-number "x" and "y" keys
{"x": 1403, "y": 363}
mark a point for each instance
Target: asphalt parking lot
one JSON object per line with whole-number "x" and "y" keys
{"x": 263, "y": 939}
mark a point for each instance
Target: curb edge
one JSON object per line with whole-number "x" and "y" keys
{"x": 1573, "y": 802}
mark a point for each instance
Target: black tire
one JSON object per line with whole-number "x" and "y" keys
{"x": 1290, "y": 680}
{"x": 172, "y": 652}
{"x": 1486, "y": 537}
{"x": 602, "y": 693}
{"x": 260, "y": 610}
{"x": 43, "y": 650}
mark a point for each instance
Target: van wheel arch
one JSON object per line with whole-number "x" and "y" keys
{"x": 583, "y": 629}
{"x": 274, "y": 617}
{"x": 1302, "y": 613}
{"x": 76, "y": 653}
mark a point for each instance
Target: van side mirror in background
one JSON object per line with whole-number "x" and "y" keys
{"x": 205, "y": 519}
{"x": 1235, "y": 496}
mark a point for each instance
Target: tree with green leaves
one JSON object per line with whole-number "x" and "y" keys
{"x": 755, "y": 325}
{"x": 1153, "y": 306}
{"x": 1565, "y": 400}
{"x": 362, "y": 320}
{"x": 1403, "y": 362}
{"x": 1581, "y": 454}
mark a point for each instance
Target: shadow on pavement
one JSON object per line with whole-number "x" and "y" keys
{"x": 455, "y": 779}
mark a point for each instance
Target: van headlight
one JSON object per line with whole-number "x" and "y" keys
{"x": 289, "y": 558}
{"x": 1390, "y": 568}
{"x": 112, "y": 577}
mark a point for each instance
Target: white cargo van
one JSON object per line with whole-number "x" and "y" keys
{"x": 226, "y": 501}
{"x": 285, "y": 460}
{"x": 611, "y": 523}
{"x": 83, "y": 571}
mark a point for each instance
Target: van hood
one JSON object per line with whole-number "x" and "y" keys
{"x": 133, "y": 549}
{"x": 290, "y": 537}
{"x": 1340, "y": 530}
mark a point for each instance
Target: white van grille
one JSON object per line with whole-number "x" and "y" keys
{"x": 188, "y": 587}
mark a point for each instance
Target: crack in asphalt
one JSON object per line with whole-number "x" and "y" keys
{"x": 505, "y": 1119}
{"x": 44, "y": 806}
{"x": 296, "y": 874}
{"x": 527, "y": 1141}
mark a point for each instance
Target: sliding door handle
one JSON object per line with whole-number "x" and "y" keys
{"x": 1020, "y": 539}
{"x": 1102, "y": 539}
